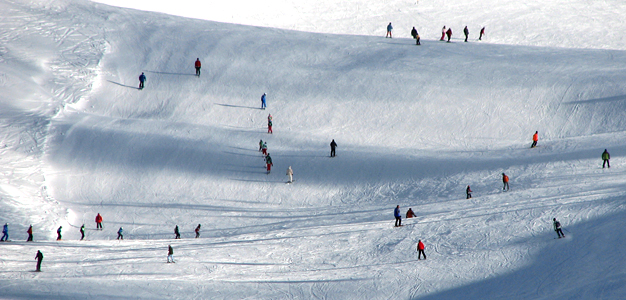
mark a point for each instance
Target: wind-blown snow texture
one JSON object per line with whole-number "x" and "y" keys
{"x": 414, "y": 125}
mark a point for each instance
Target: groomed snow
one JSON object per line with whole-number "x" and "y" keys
{"x": 415, "y": 125}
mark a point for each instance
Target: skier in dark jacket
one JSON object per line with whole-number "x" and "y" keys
{"x": 466, "y": 32}
{"x": 413, "y": 32}
{"x": 120, "y": 233}
{"x": 605, "y": 158}
{"x": 5, "y": 233}
{"x": 142, "y": 79}
{"x": 410, "y": 213}
{"x": 170, "y": 254}
{"x": 30, "y": 233}
{"x": 396, "y": 213}
{"x": 468, "y": 192}
{"x": 482, "y": 32}
{"x": 449, "y": 34}
{"x": 416, "y": 36}
{"x": 177, "y": 232}
{"x": 333, "y": 145}
{"x": 389, "y": 29}
{"x": 557, "y": 228}
{"x": 198, "y": 231}
{"x": 59, "y": 233}
{"x": 82, "y": 232}
{"x": 39, "y": 258}
{"x": 198, "y": 65}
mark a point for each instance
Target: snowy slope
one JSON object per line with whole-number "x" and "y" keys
{"x": 415, "y": 126}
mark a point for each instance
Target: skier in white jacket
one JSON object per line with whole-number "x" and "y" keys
{"x": 290, "y": 174}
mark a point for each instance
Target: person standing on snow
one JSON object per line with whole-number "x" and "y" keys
{"x": 98, "y": 222}
{"x": 416, "y": 36}
{"x": 198, "y": 231}
{"x": 389, "y": 29}
{"x": 120, "y": 233}
{"x": 482, "y": 32}
{"x": 605, "y": 158}
{"x": 396, "y": 213}
{"x": 177, "y": 232}
{"x": 260, "y": 145}
{"x": 449, "y": 34}
{"x": 468, "y": 192}
{"x": 264, "y": 148}
{"x": 170, "y": 254}
{"x": 443, "y": 33}
{"x": 269, "y": 127}
{"x": 557, "y": 228}
{"x": 413, "y": 32}
{"x": 5, "y": 233}
{"x": 30, "y": 233}
{"x": 268, "y": 162}
{"x": 82, "y": 232}
{"x": 142, "y": 79}
{"x": 198, "y": 66}
{"x": 59, "y": 233}
{"x": 333, "y": 145}
{"x": 290, "y": 174}
{"x": 505, "y": 180}
{"x": 466, "y": 32}
{"x": 535, "y": 139}
{"x": 39, "y": 258}
{"x": 410, "y": 213}
{"x": 263, "y": 104}
{"x": 420, "y": 250}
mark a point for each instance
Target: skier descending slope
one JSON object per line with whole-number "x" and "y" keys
{"x": 268, "y": 162}
{"x": 39, "y": 258}
{"x": 482, "y": 32}
{"x": 170, "y": 254}
{"x": 290, "y": 174}
{"x": 443, "y": 33}
{"x": 59, "y": 233}
{"x": 557, "y": 228}
{"x": 535, "y": 139}
{"x": 82, "y": 232}
{"x": 264, "y": 148}
{"x": 177, "y": 232}
{"x": 120, "y": 233}
{"x": 142, "y": 79}
{"x": 420, "y": 250}
{"x": 198, "y": 231}
{"x": 5, "y": 233}
{"x": 468, "y": 192}
{"x": 505, "y": 180}
{"x": 30, "y": 233}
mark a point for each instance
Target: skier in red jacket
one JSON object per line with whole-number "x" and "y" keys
{"x": 535, "y": 139}
{"x": 420, "y": 250}
{"x": 98, "y": 222}
{"x": 198, "y": 66}
{"x": 505, "y": 180}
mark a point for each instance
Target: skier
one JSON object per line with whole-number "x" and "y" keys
{"x": 410, "y": 213}
{"x": 170, "y": 254}
{"x": 98, "y": 222}
{"x": 198, "y": 66}
{"x": 443, "y": 33}
{"x": 290, "y": 174}
{"x": 39, "y": 258}
{"x": 466, "y": 32}
{"x": 389, "y": 29}
{"x": 260, "y": 145}
{"x": 142, "y": 79}
{"x": 417, "y": 40}
{"x": 605, "y": 157}
{"x": 82, "y": 232}
{"x": 413, "y": 32}
{"x": 535, "y": 139}
{"x": 269, "y": 117}
{"x": 30, "y": 233}
{"x": 263, "y": 105}
{"x": 268, "y": 162}
{"x": 198, "y": 231}
{"x": 177, "y": 232}
{"x": 333, "y": 145}
{"x": 59, "y": 233}
{"x": 396, "y": 213}
{"x": 269, "y": 126}
{"x": 5, "y": 233}
{"x": 120, "y": 233}
{"x": 468, "y": 192}
{"x": 420, "y": 250}
{"x": 505, "y": 180}
{"x": 557, "y": 228}
{"x": 482, "y": 32}
{"x": 449, "y": 34}
{"x": 264, "y": 148}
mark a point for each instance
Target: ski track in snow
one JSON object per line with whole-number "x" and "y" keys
{"x": 415, "y": 126}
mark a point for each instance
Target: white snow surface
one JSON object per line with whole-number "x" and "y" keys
{"x": 415, "y": 125}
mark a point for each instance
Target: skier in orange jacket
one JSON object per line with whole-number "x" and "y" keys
{"x": 505, "y": 180}
{"x": 535, "y": 139}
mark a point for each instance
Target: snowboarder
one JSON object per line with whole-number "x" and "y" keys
{"x": 557, "y": 228}
{"x": 5, "y": 233}
{"x": 269, "y": 127}
{"x": 290, "y": 174}
{"x": 170, "y": 254}
{"x": 333, "y": 145}
{"x": 482, "y": 32}
{"x": 260, "y": 145}
{"x": 264, "y": 148}
{"x": 414, "y": 32}
{"x": 142, "y": 79}
{"x": 30, "y": 233}
{"x": 177, "y": 232}
{"x": 605, "y": 157}
{"x": 505, "y": 180}
{"x": 59, "y": 233}
{"x": 535, "y": 139}
{"x": 263, "y": 104}
{"x": 410, "y": 213}
{"x": 396, "y": 213}
{"x": 468, "y": 192}
{"x": 268, "y": 162}
{"x": 120, "y": 233}
{"x": 82, "y": 232}
{"x": 443, "y": 33}
{"x": 449, "y": 34}
{"x": 420, "y": 250}
{"x": 198, "y": 66}
{"x": 98, "y": 222}
{"x": 39, "y": 258}
{"x": 198, "y": 231}
{"x": 389, "y": 29}
{"x": 466, "y": 32}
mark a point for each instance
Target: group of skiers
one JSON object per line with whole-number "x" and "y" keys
{"x": 444, "y": 32}
{"x": 143, "y": 78}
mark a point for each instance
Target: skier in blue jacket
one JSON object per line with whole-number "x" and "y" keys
{"x": 396, "y": 213}
{"x": 389, "y": 29}
{"x": 142, "y": 79}
{"x": 263, "y": 105}
{"x": 5, "y": 233}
